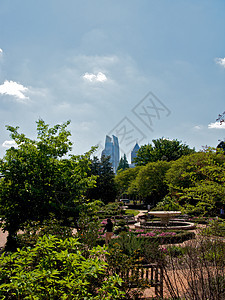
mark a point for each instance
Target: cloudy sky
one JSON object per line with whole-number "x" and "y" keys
{"x": 138, "y": 69}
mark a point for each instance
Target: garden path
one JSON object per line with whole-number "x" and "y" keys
{"x": 3, "y": 237}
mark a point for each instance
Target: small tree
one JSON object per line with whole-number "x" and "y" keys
{"x": 38, "y": 180}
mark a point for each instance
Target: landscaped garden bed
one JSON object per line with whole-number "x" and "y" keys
{"x": 159, "y": 236}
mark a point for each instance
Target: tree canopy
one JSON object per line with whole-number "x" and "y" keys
{"x": 124, "y": 179}
{"x": 39, "y": 180}
{"x": 149, "y": 182}
{"x": 162, "y": 149}
{"x": 197, "y": 181}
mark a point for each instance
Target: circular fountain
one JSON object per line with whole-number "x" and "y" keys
{"x": 164, "y": 216}
{"x": 166, "y": 220}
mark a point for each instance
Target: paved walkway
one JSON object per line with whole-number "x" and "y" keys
{"x": 3, "y": 238}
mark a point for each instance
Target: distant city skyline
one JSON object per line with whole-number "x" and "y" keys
{"x": 112, "y": 149}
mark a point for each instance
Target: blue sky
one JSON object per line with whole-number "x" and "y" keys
{"x": 138, "y": 69}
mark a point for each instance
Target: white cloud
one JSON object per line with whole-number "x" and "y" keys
{"x": 100, "y": 77}
{"x": 9, "y": 144}
{"x": 13, "y": 88}
{"x": 198, "y": 127}
{"x": 221, "y": 61}
{"x": 1, "y": 51}
{"x": 216, "y": 125}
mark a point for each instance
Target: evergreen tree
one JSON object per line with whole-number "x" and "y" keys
{"x": 123, "y": 164}
{"x": 105, "y": 189}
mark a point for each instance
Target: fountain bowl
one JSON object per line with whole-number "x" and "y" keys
{"x": 165, "y": 221}
{"x": 164, "y": 216}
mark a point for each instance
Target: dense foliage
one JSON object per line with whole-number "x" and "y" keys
{"x": 197, "y": 182}
{"x": 193, "y": 183}
{"x": 38, "y": 180}
{"x": 162, "y": 149}
{"x": 105, "y": 188}
{"x": 56, "y": 269}
{"x": 124, "y": 179}
{"x": 150, "y": 181}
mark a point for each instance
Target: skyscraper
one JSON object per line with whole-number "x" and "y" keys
{"x": 112, "y": 149}
{"x": 134, "y": 154}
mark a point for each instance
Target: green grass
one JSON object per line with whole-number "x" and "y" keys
{"x": 131, "y": 212}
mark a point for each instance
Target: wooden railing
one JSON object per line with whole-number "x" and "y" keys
{"x": 150, "y": 275}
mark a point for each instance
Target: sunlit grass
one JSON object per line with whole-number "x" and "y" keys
{"x": 132, "y": 212}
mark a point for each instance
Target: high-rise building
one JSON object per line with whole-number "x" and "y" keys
{"x": 134, "y": 154}
{"x": 112, "y": 149}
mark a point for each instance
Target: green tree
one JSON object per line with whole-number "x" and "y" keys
{"x": 197, "y": 181}
{"x": 150, "y": 183}
{"x": 38, "y": 180}
{"x": 123, "y": 164}
{"x": 124, "y": 179}
{"x": 162, "y": 149}
{"x": 105, "y": 188}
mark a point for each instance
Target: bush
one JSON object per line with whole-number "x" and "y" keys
{"x": 164, "y": 236}
{"x": 55, "y": 269}
{"x": 35, "y": 229}
{"x": 121, "y": 227}
{"x": 144, "y": 250}
{"x": 215, "y": 228}
{"x": 175, "y": 251}
{"x": 125, "y": 254}
{"x": 88, "y": 230}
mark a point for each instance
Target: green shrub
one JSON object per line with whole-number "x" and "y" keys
{"x": 214, "y": 252}
{"x": 176, "y": 251}
{"x": 125, "y": 254}
{"x": 88, "y": 232}
{"x": 111, "y": 209}
{"x": 145, "y": 250}
{"x": 35, "y": 229}
{"x": 215, "y": 228}
{"x": 55, "y": 269}
{"x": 121, "y": 227}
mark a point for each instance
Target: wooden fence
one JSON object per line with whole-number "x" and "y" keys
{"x": 150, "y": 275}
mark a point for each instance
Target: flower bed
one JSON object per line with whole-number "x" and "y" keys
{"x": 160, "y": 236}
